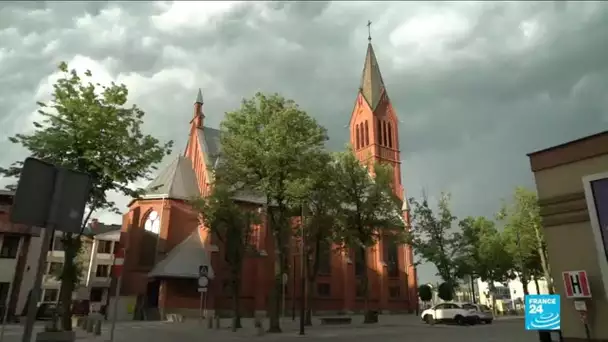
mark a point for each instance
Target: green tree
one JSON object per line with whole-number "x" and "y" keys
{"x": 320, "y": 224}
{"x": 369, "y": 211}
{"x": 88, "y": 127}
{"x": 524, "y": 236}
{"x": 432, "y": 237}
{"x": 267, "y": 146}
{"x": 481, "y": 252}
{"x": 425, "y": 292}
{"x": 231, "y": 224}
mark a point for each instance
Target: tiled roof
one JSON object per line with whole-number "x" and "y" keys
{"x": 176, "y": 181}
{"x": 372, "y": 85}
{"x": 184, "y": 260}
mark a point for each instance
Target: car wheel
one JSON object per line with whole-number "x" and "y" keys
{"x": 428, "y": 319}
{"x": 489, "y": 321}
{"x": 459, "y": 320}
{"x": 477, "y": 320}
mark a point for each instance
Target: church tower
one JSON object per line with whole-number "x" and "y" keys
{"x": 374, "y": 136}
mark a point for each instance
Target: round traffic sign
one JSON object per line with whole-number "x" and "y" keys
{"x": 203, "y": 281}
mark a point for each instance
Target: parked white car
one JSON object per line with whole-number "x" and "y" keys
{"x": 449, "y": 312}
{"x": 483, "y": 312}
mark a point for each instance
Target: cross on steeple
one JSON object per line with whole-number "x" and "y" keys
{"x": 369, "y": 30}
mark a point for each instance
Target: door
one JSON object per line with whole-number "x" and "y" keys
{"x": 440, "y": 311}
{"x": 152, "y": 292}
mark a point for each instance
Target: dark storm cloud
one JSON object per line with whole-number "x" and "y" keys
{"x": 476, "y": 91}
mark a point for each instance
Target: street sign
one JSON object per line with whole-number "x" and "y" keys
{"x": 119, "y": 260}
{"x": 542, "y": 312}
{"x": 203, "y": 278}
{"x": 42, "y": 185}
{"x": 576, "y": 284}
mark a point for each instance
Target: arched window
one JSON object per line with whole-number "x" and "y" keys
{"x": 149, "y": 240}
{"x": 390, "y": 135}
{"x": 384, "y": 133}
{"x": 379, "y": 124}
{"x": 366, "y": 134}
{"x": 362, "y": 135}
{"x": 357, "y": 137}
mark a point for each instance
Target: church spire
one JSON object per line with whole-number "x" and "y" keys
{"x": 372, "y": 85}
{"x": 199, "y": 96}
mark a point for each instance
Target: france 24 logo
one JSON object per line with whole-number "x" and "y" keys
{"x": 542, "y": 312}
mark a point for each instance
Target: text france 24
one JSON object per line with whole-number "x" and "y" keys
{"x": 542, "y": 312}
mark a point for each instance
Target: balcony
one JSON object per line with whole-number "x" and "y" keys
{"x": 50, "y": 279}
{"x": 105, "y": 258}
{"x": 101, "y": 281}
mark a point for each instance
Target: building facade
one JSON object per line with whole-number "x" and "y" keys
{"x": 572, "y": 185}
{"x": 166, "y": 244}
{"x": 16, "y": 241}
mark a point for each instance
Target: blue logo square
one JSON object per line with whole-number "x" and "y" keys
{"x": 542, "y": 312}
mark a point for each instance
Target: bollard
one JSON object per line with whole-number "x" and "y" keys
{"x": 97, "y": 329}
{"x": 210, "y": 322}
{"x": 259, "y": 327}
{"x": 90, "y": 325}
{"x": 217, "y": 322}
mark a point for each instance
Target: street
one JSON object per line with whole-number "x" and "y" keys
{"x": 390, "y": 328}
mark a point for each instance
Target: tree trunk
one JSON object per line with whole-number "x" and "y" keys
{"x": 536, "y": 285}
{"x": 236, "y": 304}
{"x": 68, "y": 280}
{"x": 543, "y": 260}
{"x": 309, "y": 299}
{"x": 367, "y": 314}
{"x": 473, "y": 298}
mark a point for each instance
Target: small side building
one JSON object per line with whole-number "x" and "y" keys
{"x": 572, "y": 184}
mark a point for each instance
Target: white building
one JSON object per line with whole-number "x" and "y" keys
{"x": 95, "y": 280}
{"x": 510, "y": 295}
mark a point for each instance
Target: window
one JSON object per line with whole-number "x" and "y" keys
{"x": 57, "y": 244}
{"x": 362, "y": 135}
{"x": 323, "y": 290}
{"x": 366, "y": 134}
{"x": 50, "y": 295}
{"x": 55, "y": 268}
{"x": 391, "y": 257}
{"x": 10, "y": 246}
{"x": 357, "y": 138}
{"x": 4, "y": 292}
{"x": 384, "y": 135}
{"x": 379, "y": 128}
{"x": 390, "y": 135}
{"x": 394, "y": 292}
{"x": 104, "y": 247}
{"x": 102, "y": 271}
{"x": 96, "y": 294}
{"x": 325, "y": 258}
{"x": 360, "y": 266}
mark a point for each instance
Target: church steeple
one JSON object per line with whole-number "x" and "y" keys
{"x": 197, "y": 118}
{"x": 372, "y": 85}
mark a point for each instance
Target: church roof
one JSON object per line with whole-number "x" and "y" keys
{"x": 176, "y": 181}
{"x": 372, "y": 85}
{"x": 210, "y": 140}
{"x": 184, "y": 260}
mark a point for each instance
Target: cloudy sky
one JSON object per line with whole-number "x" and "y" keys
{"x": 476, "y": 85}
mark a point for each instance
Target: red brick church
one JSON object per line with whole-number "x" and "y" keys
{"x": 166, "y": 243}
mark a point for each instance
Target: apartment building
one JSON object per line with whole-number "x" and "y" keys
{"x": 97, "y": 257}
{"x": 15, "y": 242}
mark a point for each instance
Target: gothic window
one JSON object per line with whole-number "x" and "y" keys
{"x": 384, "y": 133}
{"x": 362, "y": 136}
{"x": 325, "y": 258}
{"x": 357, "y": 137}
{"x": 391, "y": 257}
{"x": 379, "y": 125}
{"x": 149, "y": 240}
{"x": 360, "y": 266}
{"x": 366, "y": 134}
{"x": 390, "y": 135}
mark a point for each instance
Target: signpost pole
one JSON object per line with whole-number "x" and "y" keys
{"x": 115, "y": 308}
{"x": 201, "y": 308}
{"x": 47, "y": 237}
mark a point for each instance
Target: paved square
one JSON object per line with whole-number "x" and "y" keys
{"x": 391, "y": 328}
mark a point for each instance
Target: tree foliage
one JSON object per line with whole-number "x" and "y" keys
{"x": 481, "y": 251}
{"x": 320, "y": 225}
{"x": 445, "y": 291}
{"x": 88, "y": 127}
{"x": 524, "y": 236}
{"x": 432, "y": 237}
{"x": 231, "y": 224}
{"x": 267, "y": 147}
{"x": 369, "y": 210}
{"x": 425, "y": 292}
